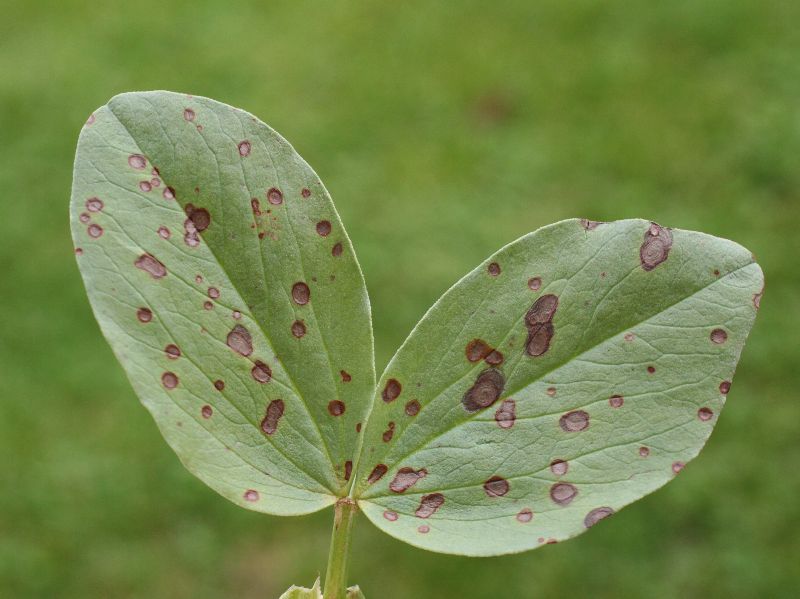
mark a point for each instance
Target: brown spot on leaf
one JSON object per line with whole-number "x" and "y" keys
{"x": 206, "y": 411}
{"x": 94, "y": 230}
{"x": 213, "y": 293}
{"x": 596, "y": 515}
{"x": 535, "y": 283}
{"x": 495, "y": 358}
{"x": 551, "y": 391}
{"x": 219, "y": 385}
{"x": 169, "y": 380}
{"x": 559, "y": 467}
{"x": 346, "y": 378}
{"x": 485, "y": 391}
{"x": 377, "y": 473}
{"x": 94, "y": 204}
{"x": 677, "y": 467}
{"x": 390, "y": 515}
{"x": 144, "y": 314}
{"x": 644, "y": 451}
{"x": 494, "y": 269}
{"x": 305, "y": 192}
{"x": 261, "y": 372}
{"x": 251, "y": 495}
{"x": 274, "y": 413}
{"x": 496, "y": 486}
{"x": 388, "y": 433}
{"x": 301, "y": 294}
{"x": 616, "y": 401}
{"x": 336, "y": 407}
{"x": 719, "y": 336}
{"x": 724, "y": 387}
{"x": 236, "y": 315}
{"x": 506, "y": 413}
{"x": 151, "y": 266}
{"x": 244, "y": 148}
{"x": 358, "y": 427}
{"x": 651, "y": 369}
{"x": 188, "y": 114}
{"x": 412, "y": 408}
{"x": 655, "y": 247}
{"x": 298, "y": 328}
{"x": 525, "y": 515}
{"x": 574, "y": 421}
{"x": 173, "y": 351}
{"x": 145, "y": 186}
{"x": 164, "y": 233}
{"x": 208, "y": 305}
{"x": 240, "y": 341}
{"x": 705, "y": 414}
{"x": 563, "y": 493}
{"x": 324, "y": 228}
{"x": 629, "y": 337}
{"x": 406, "y": 478}
{"x": 590, "y": 225}
{"x": 200, "y": 217}
{"x": 275, "y": 196}
{"x": 91, "y": 119}
{"x": 79, "y": 251}
{"x": 477, "y": 349}
{"x": 137, "y": 161}
{"x": 429, "y": 504}
{"x": 538, "y": 320}
{"x": 757, "y": 299}
{"x": 336, "y": 251}
{"x": 348, "y": 469}
{"x": 423, "y": 529}
{"x": 255, "y": 206}
{"x": 84, "y": 217}
{"x": 391, "y": 390}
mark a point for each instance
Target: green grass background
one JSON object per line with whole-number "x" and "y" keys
{"x": 443, "y": 130}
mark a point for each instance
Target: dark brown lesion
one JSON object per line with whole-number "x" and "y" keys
{"x": 406, "y": 478}
{"x": 539, "y": 322}
{"x": 655, "y": 247}
{"x": 274, "y": 413}
{"x": 429, "y": 504}
{"x": 485, "y": 391}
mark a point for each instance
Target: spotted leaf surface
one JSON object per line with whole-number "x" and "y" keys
{"x": 223, "y": 279}
{"x": 575, "y": 371}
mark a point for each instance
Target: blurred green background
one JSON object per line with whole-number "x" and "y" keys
{"x": 443, "y": 130}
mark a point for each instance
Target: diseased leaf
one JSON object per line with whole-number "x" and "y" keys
{"x": 223, "y": 279}
{"x": 296, "y": 592}
{"x": 575, "y": 371}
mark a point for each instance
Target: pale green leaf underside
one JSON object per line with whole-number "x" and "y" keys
{"x": 201, "y": 232}
{"x": 315, "y": 592}
{"x": 603, "y": 400}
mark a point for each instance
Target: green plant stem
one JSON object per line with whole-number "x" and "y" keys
{"x": 339, "y": 556}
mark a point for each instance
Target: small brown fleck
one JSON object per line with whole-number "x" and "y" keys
{"x": 377, "y": 473}
{"x": 495, "y": 358}
{"x": 261, "y": 372}
{"x": 655, "y": 247}
{"x": 476, "y": 350}
{"x": 651, "y": 369}
{"x": 336, "y": 407}
{"x": 535, "y": 283}
{"x": 79, "y": 251}
{"x": 301, "y": 294}
{"x": 298, "y": 328}
{"x": 274, "y": 413}
{"x": 244, "y": 148}
{"x": 551, "y": 391}
{"x": 173, "y": 351}
{"x": 151, "y": 266}
{"x": 525, "y": 515}
{"x": 240, "y": 341}
{"x": 346, "y": 378}
{"x": 145, "y": 186}
{"x": 336, "y": 251}
{"x": 590, "y": 225}
{"x": 390, "y": 515}
{"x": 164, "y": 233}
{"x": 423, "y": 529}
{"x": 348, "y": 469}
{"x": 84, "y": 217}
{"x": 155, "y": 182}
{"x": 94, "y": 230}
{"x": 677, "y": 467}
{"x": 644, "y": 451}
{"x": 574, "y": 421}
{"x": 274, "y": 196}
{"x": 616, "y": 401}
{"x": 169, "y": 380}
{"x": 306, "y": 192}
{"x": 213, "y": 293}
{"x": 208, "y": 305}
{"x": 406, "y": 478}
{"x": 718, "y": 336}
{"x": 188, "y": 114}
{"x": 412, "y": 408}
{"x": 724, "y": 387}
{"x": 391, "y": 390}
{"x": 757, "y": 299}
{"x": 144, "y": 314}
{"x": 324, "y": 228}
{"x": 388, "y": 433}
{"x": 429, "y": 504}
{"x": 206, "y": 411}
{"x": 198, "y": 279}
{"x": 251, "y": 495}
{"x": 629, "y": 337}
{"x": 94, "y": 204}
{"x": 219, "y": 385}
{"x": 596, "y": 515}
{"x": 137, "y": 161}
{"x": 236, "y": 315}
{"x": 494, "y": 269}
{"x": 485, "y": 391}
{"x": 506, "y": 414}
{"x": 563, "y": 493}
{"x": 496, "y": 486}
{"x": 358, "y": 427}
{"x": 538, "y": 320}
{"x": 559, "y": 467}
{"x": 705, "y": 414}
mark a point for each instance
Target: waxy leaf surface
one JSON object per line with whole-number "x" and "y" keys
{"x": 575, "y": 371}
{"x": 223, "y": 279}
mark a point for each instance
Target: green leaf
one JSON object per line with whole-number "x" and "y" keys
{"x": 296, "y": 592}
{"x": 575, "y": 371}
{"x": 222, "y": 277}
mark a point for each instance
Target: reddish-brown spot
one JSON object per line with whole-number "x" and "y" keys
{"x": 423, "y": 529}
{"x": 429, "y": 504}
{"x": 535, "y": 283}
{"x": 324, "y": 228}
{"x": 391, "y": 390}
{"x": 306, "y": 192}
{"x": 275, "y": 196}
{"x": 144, "y": 314}
{"x": 348, "y": 469}
{"x": 137, "y": 161}
{"x": 724, "y": 387}
{"x": 406, "y": 478}
{"x": 629, "y": 337}
{"x": 485, "y": 391}
{"x": 84, "y": 217}
{"x": 718, "y": 336}
{"x": 198, "y": 279}
{"x": 495, "y": 358}
{"x": 506, "y": 413}
{"x": 346, "y": 378}
{"x": 390, "y": 515}
{"x": 596, "y": 515}
{"x": 219, "y": 385}
{"x": 677, "y": 467}
{"x": 644, "y": 451}
{"x": 336, "y": 251}
{"x": 538, "y": 320}
{"x": 388, "y": 433}
{"x": 151, "y": 266}
{"x": 206, "y": 411}
{"x": 79, "y": 251}
{"x": 616, "y": 401}
{"x": 213, "y": 293}
{"x": 494, "y": 269}
{"x": 590, "y": 225}
{"x": 236, "y": 315}
{"x": 301, "y": 294}
{"x": 477, "y": 349}
{"x": 255, "y": 206}
{"x": 274, "y": 413}
{"x": 563, "y": 493}
{"x": 651, "y": 369}
{"x": 200, "y": 217}
{"x": 551, "y": 391}
{"x": 496, "y": 486}
{"x": 574, "y": 421}
{"x": 94, "y": 204}
{"x": 240, "y": 341}
{"x": 298, "y": 328}
{"x": 559, "y": 467}
{"x": 155, "y": 182}
{"x": 261, "y": 372}
{"x": 173, "y": 351}
{"x": 244, "y": 148}
{"x": 94, "y": 230}
{"x": 336, "y": 407}
{"x": 188, "y": 114}
{"x": 412, "y": 408}
{"x": 251, "y": 495}
{"x": 705, "y": 414}
{"x": 655, "y": 247}
{"x": 208, "y": 305}
{"x": 358, "y": 427}
{"x": 757, "y": 299}
{"x": 164, "y": 233}
{"x": 525, "y": 515}
{"x": 145, "y": 186}
{"x": 169, "y": 380}
{"x": 377, "y": 473}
